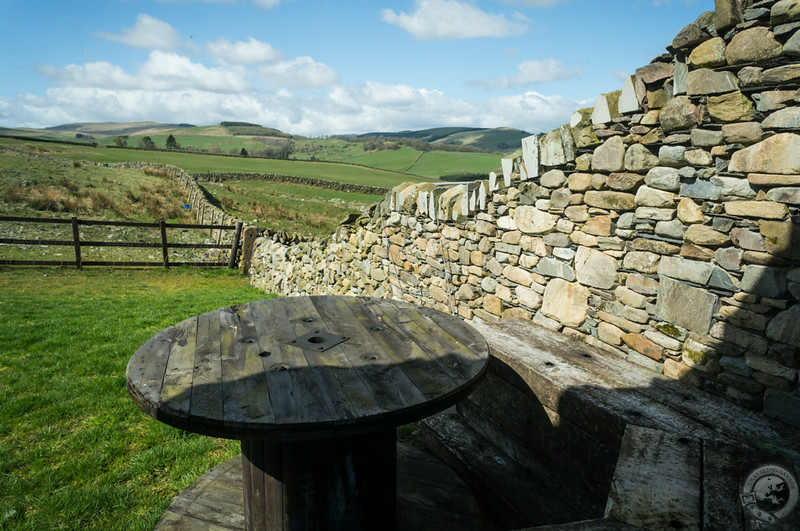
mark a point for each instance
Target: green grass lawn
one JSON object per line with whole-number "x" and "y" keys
{"x": 75, "y": 452}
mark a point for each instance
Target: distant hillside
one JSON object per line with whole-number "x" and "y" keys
{"x": 116, "y": 128}
{"x": 500, "y": 139}
{"x": 248, "y": 129}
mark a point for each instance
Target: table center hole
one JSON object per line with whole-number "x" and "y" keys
{"x": 316, "y": 340}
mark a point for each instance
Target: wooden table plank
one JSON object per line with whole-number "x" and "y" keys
{"x": 383, "y": 376}
{"x": 244, "y": 385}
{"x": 346, "y": 397}
{"x": 295, "y": 395}
{"x": 452, "y": 356}
{"x": 418, "y": 365}
{"x": 145, "y": 371}
{"x": 176, "y": 392}
{"x": 207, "y": 381}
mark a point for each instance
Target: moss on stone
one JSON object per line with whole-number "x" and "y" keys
{"x": 669, "y": 329}
{"x": 695, "y": 356}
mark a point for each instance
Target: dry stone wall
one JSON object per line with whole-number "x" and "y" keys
{"x": 662, "y": 225}
{"x": 274, "y": 177}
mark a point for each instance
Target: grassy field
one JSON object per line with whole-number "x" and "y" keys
{"x": 196, "y": 163}
{"x": 41, "y": 187}
{"x": 291, "y": 207}
{"x": 76, "y": 452}
{"x": 431, "y": 164}
{"x": 47, "y": 188}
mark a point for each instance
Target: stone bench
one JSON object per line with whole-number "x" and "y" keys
{"x": 561, "y": 432}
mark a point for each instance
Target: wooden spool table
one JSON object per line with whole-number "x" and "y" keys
{"x": 314, "y": 387}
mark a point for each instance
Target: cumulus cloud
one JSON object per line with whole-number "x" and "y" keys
{"x": 453, "y": 19}
{"x": 162, "y": 71}
{"x": 532, "y": 111}
{"x": 243, "y": 53}
{"x": 148, "y": 33}
{"x": 302, "y": 72}
{"x": 534, "y": 71}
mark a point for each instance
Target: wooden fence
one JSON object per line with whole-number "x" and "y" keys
{"x": 76, "y": 243}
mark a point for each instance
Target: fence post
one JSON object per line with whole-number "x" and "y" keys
{"x": 235, "y": 245}
{"x": 76, "y": 239}
{"x": 164, "y": 251}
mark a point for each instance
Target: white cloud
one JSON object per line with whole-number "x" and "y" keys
{"x": 99, "y": 74}
{"x": 243, "y": 53}
{"x": 531, "y": 111}
{"x": 453, "y": 19}
{"x": 269, "y": 4}
{"x": 169, "y": 71}
{"x": 149, "y": 33}
{"x": 302, "y": 72}
{"x": 161, "y": 71}
{"x": 534, "y": 71}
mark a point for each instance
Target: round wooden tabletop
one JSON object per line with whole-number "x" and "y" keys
{"x": 306, "y": 368}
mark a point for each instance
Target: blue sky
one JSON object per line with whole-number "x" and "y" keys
{"x": 314, "y": 67}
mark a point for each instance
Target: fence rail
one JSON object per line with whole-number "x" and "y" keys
{"x": 76, "y": 243}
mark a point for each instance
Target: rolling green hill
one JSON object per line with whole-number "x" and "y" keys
{"x": 498, "y": 140}
{"x": 269, "y": 150}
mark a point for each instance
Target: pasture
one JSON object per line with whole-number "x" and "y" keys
{"x": 77, "y": 453}
{"x": 199, "y": 163}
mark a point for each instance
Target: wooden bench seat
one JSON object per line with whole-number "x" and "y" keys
{"x": 583, "y": 429}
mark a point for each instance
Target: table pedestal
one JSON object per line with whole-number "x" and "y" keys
{"x": 346, "y": 483}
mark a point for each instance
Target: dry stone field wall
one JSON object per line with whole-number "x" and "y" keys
{"x": 662, "y": 225}
{"x": 274, "y": 177}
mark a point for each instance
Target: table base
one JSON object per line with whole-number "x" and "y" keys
{"x": 430, "y": 497}
{"x": 343, "y": 483}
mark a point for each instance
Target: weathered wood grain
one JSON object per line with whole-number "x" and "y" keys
{"x": 176, "y": 391}
{"x": 657, "y": 480}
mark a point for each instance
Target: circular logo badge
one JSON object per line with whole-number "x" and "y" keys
{"x": 770, "y": 493}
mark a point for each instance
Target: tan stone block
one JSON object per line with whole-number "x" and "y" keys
{"x": 567, "y": 302}
{"x": 704, "y": 235}
{"x": 516, "y": 313}
{"x": 757, "y": 209}
{"x": 690, "y": 212}
{"x": 503, "y": 293}
{"x": 476, "y": 258}
{"x": 598, "y": 226}
{"x": 517, "y": 275}
{"x": 690, "y": 250}
{"x": 619, "y": 322}
{"x": 511, "y": 237}
{"x": 581, "y": 238}
{"x": 644, "y": 346}
{"x": 528, "y": 297}
{"x": 769, "y": 179}
{"x": 609, "y": 333}
{"x": 493, "y": 305}
{"x": 678, "y": 371}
